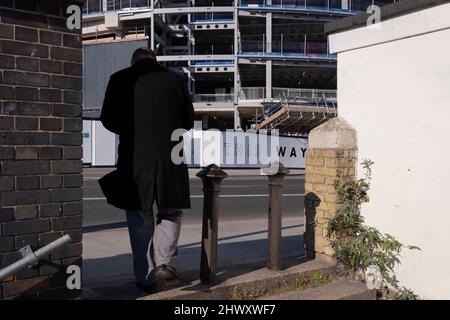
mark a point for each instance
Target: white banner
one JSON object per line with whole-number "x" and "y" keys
{"x": 242, "y": 149}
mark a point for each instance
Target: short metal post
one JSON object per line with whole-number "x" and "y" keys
{"x": 275, "y": 183}
{"x": 212, "y": 177}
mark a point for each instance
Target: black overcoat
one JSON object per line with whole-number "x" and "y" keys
{"x": 144, "y": 104}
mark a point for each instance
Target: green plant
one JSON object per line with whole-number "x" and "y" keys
{"x": 240, "y": 293}
{"x": 354, "y": 244}
{"x": 300, "y": 283}
{"x": 320, "y": 277}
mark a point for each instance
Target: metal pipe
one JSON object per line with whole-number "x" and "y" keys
{"x": 31, "y": 258}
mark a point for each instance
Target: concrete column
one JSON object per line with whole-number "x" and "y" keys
{"x": 332, "y": 149}
{"x": 152, "y": 26}
{"x": 237, "y": 80}
{"x": 189, "y": 44}
{"x": 268, "y": 80}
{"x": 205, "y": 122}
{"x": 269, "y": 50}
{"x": 104, "y": 5}
{"x": 345, "y": 4}
{"x": 237, "y": 88}
{"x": 164, "y": 36}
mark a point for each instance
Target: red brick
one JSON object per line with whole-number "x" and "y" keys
{"x": 6, "y": 62}
{"x": 6, "y": 92}
{"x": 50, "y": 37}
{"x": 26, "y": 212}
{"x": 26, "y": 93}
{"x": 24, "y": 18}
{"x": 25, "y": 49}
{"x": 51, "y": 66}
{"x": 65, "y": 54}
{"x": 73, "y": 69}
{"x": 6, "y": 32}
{"x": 27, "y": 123}
{"x": 52, "y": 95}
{"x": 27, "y": 64}
{"x": 72, "y": 40}
{"x": 26, "y": 34}
{"x": 51, "y": 124}
{"x": 21, "y": 287}
{"x": 26, "y": 78}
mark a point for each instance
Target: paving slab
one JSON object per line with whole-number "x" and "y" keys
{"x": 339, "y": 289}
{"x": 248, "y": 281}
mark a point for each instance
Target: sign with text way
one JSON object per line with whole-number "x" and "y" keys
{"x": 238, "y": 149}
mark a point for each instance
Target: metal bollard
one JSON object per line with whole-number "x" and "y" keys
{"x": 275, "y": 183}
{"x": 212, "y": 177}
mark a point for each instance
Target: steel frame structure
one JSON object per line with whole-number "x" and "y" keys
{"x": 174, "y": 27}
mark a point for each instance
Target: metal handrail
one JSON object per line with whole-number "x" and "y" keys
{"x": 315, "y": 97}
{"x": 291, "y": 94}
{"x": 30, "y": 258}
{"x": 213, "y": 98}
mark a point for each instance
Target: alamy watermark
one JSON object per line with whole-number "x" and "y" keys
{"x": 231, "y": 148}
{"x": 374, "y": 20}
{"x": 74, "y": 19}
{"x": 73, "y": 281}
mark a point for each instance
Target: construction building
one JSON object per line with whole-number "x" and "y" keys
{"x": 248, "y": 63}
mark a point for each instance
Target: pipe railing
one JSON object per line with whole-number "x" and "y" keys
{"x": 257, "y": 93}
{"x": 354, "y": 6}
{"x": 213, "y": 98}
{"x": 30, "y": 258}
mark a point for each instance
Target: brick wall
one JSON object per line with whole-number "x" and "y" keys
{"x": 40, "y": 143}
{"x": 322, "y": 167}
{"x": 332, "y": 148}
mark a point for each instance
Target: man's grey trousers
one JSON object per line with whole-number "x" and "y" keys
{"x": 153, "y": 244}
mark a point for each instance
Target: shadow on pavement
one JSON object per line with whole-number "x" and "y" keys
{"x": 112, "y": 278}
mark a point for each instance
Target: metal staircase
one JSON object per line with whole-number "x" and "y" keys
{"x": 296, "y": 114}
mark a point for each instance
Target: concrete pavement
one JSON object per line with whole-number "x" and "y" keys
{"x": 107, "y": 259}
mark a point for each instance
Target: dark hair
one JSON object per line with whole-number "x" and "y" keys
{"x": 142, "y": 53}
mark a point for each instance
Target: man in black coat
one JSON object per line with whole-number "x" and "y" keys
{"x": 144, "y": 104}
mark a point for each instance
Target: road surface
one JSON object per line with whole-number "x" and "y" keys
{"x": 242, "y": 198}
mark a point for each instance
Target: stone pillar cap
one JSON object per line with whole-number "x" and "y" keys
{"x": 275, "y": 168}
{"x": 336, "y": 133}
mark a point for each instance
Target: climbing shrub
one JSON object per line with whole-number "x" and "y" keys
{"x": 356, "y": 245}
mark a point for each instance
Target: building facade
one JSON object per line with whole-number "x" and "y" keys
{"x": 402, "y": 128}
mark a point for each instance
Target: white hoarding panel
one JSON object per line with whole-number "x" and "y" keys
{"x": 87, "y": 141}
{"x": 103, "y": 146}
{"x": 242, "y": 149}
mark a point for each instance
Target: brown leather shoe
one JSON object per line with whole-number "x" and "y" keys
{"x": 168, "y": 274}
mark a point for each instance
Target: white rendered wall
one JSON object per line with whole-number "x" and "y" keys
{"x": 396, "y": 94}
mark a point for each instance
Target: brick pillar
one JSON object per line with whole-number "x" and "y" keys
{"x": 332, "y": 148}
{"x": 40, "y": 143}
